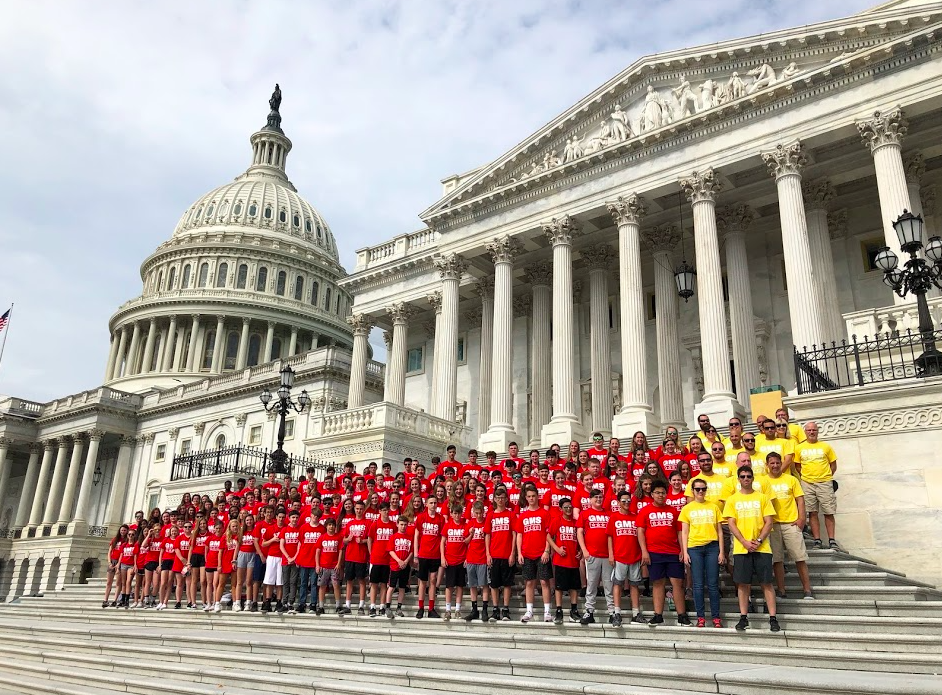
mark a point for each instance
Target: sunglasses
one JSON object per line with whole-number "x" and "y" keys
{"x": 768, "y": 427}
{"x": 781, "y": 427}
{"x": 699, "y": 489}
{"x": 746, "y": 476}
{"x": 748, "y": 441}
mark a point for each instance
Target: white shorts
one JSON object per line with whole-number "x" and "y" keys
{"x": 273, "y": 571}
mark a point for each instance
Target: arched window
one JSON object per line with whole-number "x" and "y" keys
{"x": 307, "y": 226}
{"x": 172, "y": 279}
{"x": 242, "y": 276}
{"x": 268, "y": 213}
{"x": 298, "y": 288}
{"x": 280, "y": 285}
{"x": 208, "y": 345}
{"x": 185, "y": 282}
{"x": 224, "y": 208}
{"x": 204, "y": 274}
{"x": 220, "y": 441}
{"x": 209, "y": 211}
{"x": 237, "y": 210}
{"x": 255, "y": 348}
{"x": 337, "y": 311}
{"x": 199, "y": 211}
{"x": 232, "y": 350}
{"x": 297, "y": 220}
{"x": 262, "y": 279}
{"x": 327, "y": 299}
{"x": 253, "y": 210}
{"x": 221, "y": 274}
{"x": 314, "y": 292}
{"x": 282, "y": 216}
{"x": 276, "y": 348}
{"x": 160, "y": 281}
{"x": 319, "y": 232}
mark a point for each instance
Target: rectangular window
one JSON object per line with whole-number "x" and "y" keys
{"x": 185, "y": 447}
{"x": 255, "y": 435}
{"x": 415, "y": 360}
{"x": 869, "y": 248}
{"x": 289, "y": 429}
{"x": 153, "y": 499}
{"x": 161, "y": 452}
{"x": 462, "y": 357}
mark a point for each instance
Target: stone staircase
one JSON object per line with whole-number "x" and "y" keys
{"x": 870, "y": 631}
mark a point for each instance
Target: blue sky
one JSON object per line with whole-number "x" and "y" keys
{"x": 118, "y": 115}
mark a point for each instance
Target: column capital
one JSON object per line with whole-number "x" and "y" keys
{"x": 732, "y": 219}
{"x": 785, "y": 160}
{"x": 150, "y": 436}
{"x": 818, "y": 194}
{"x": 387, "y": 338}
{"x": 561, "y": 230}
{"x": 153, "y": 320}
{"x": 128, "y": 441}
{"x": 195, "y": 317}
{"x": 273, "y": 324}
{"x": 400, "y": 313}
{"x": 540, "y": 274}
{"x": 77, "y": 437}
{"x": 597, "y": 257}
{"x": 521, "y": 305}
{"x": 35, "y": 447}
{"x": 360, "y": 323}
{"x": 172, "y": 317}
{"x": 246, "y": 320}
{"x": 701, "y": 186}
{"x": 435, "y": 300}
{"x": 629, "y": 209}
{"x": 661, "y": 239}
{"x": 503, "y": 249}
{"x": 173, "y": 433}
{"x": 915, "y": 166}
{"x": 450, "y": 266}
{"x": 885, "y": 128}
{"x": 484, "y": 287}
{"x": 220, "y": 318}
{"x": 927, "y": 198}
{"x": 50, "y": 444}
{"x": 837, "y": 224}
{"x": 95, "y": 434}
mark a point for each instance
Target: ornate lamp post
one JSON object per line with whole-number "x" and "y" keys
{"x": 283, "y": 405}
{"x": 917, "y": 277}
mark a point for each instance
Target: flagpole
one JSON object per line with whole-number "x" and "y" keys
{"x": 6, "y": 331}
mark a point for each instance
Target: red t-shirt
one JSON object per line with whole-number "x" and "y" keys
{"x": 330, "y": 546}
{"x": 127, "y": 553}
{"x": 182, "y": 544}
{"x": 247, "y": 544}
{"x": 213, "y": 544}
{"x": 309, "y": 539}
{"x": 473, "y": 469}
{"x": 660, "y": 529}
{"x": 274, "y": 489}
{"x": 228, "y": 555}
{"x": 380, "y": 534}
{"x": 594, "y": 525}
{"x": 477, "y": 553}
{"x": 401, "y": 545}
{"x": 581, "y": 499}
{"x": 669, "y": 463}
{"x": 500, "y": 527}
{"x": 637, "y": 505}
{"x": 357, "y": 530}
{"x": 269, "y": 531}
{"x": 551, "y": 498}
{"x": 292, "y": 539}
{"x": 153, "y": 549}
{"x": 676, "y": 500}
{"x": 429, "y": 531}
{"x": 454, "y": 533}
{"x": 199, "y": 544}
{"x": 694, "y": 464}
{"x": 534, "y": 525}
{"x": 624, "y": 533}
{"x": 564, "y": 536}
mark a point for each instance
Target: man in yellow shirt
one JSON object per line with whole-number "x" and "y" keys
{"x": 735, "y": 428}
{"x": 795, "y": 431}
{"x": 732, "y": 485}
{"x": 768, "y": 441}
{"x": 756, "y": 457}
{"x": 720, "y": 465}
{"x": 815, "y": 463}
{"x": 750, "y": 516}
{"x": 733, "y": 445}
{"x": 713, "y": 480}
{"x": 788, "y": 500}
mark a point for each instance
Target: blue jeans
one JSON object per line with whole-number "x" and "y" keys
{"x": 705, "y": 568}
{"x": 308, "y": 577}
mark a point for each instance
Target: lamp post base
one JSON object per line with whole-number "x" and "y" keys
{"x": 929, "y": 363}
{"x": 278, "y": 461}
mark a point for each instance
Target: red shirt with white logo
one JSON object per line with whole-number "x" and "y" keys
{"x": 182, "y": 544}
{"x": 660, "y": 529}
{"x": 477, "y": 553}
{"x": 228, "y": 555}
{"x": 213, "y": 544}
{"x": 330, "y": 546}
{"x": 500, "y": 527}
{"x": 429, "y": 531}
{"x": 127, "y": 553}
{"x": 247, "y": 543}
{"x": 380, "y": 534}
{"x": 292, "y": 540}
{"x": 677, "y": 500}
{"x": 594, "y": 525}
{"x": 564, "y": 536}
{"x": 357, "y": 530}
{"x": 309, "y": 540}
{"x": 454, "y": 533}
{"x": 624, "y": 533}
{"x": 670, "y": 463}
{"x": 533, "y": 524}
{"x": 401, "y": 545}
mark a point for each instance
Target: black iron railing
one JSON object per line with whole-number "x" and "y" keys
{"x": 239, "y": 460}
{"x": 887, "y": 357}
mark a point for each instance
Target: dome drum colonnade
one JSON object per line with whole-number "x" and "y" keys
{"x": 812, "y": 280}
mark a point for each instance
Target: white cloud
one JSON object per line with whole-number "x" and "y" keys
{"x": 118, "y": 115}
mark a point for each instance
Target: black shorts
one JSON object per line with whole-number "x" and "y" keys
{"x": 197, "y": 561}
{"x": 400, "y": 578}
{"x": 455, "y": 575}
{"x": 753, "y": 565}
{"x": 502, "y": 573}
{"x": 535, "y": 568}
{"x": 428, "y": 566}
{"x": 666, "y": 566}
{"x": 166, "y": 565}
{"x": 151, "y": 565}
{"x": 379, "y": 574}
{"x": 567, "y": 578}
{"x": 211, "y": 569}
{"x": 140, "y": 571}
{"x": 355, "y": 570}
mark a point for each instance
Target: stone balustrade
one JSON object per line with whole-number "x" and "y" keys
{"x": 897, "y": 318}
{"x": 399, "y": 247}
{"x": 377, "y": 417}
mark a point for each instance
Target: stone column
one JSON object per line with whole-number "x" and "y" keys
{"x": 636, "y": 412}
{"x": 131, "y": 367}
{"x": 5, "y": 467}
{"x": 170, "y": 346}
{"x": 178, "y": 356}
{"x": 733, "y": 221}
{"x": 785, "y": 163}
{"x": 485, "y": 290}
{"x": 660, "y": 241}
{"x": 435, "y": 301}
{"x": 119, "y": 360}
{"x": 293, "y": 341}
{"x": 71, "y": 482}
{"x": 191, "y": 365}
{"x": 361, "y": 325}
{"x": 119, "y": 484}
{"x": 85, "y": 491}
{"x": 817, "y": 195}
{"x": 883, "y": 135}
{"x": 242, "y": 357}
{"x": 400, "y": 313}
{"x": 540, "y": 277}
{"x": 149, "y": 347}
{"x": 54, "y": 493}
{"x": 718, "y": 402}
{"x": 450, "y": 269}
{"x": 565, "y": 424}
{"x": 219, "y": 345}
{"x": 112, "y": 356}
{"x": 500, "y": 432}
{"x": 598, "y": 262}
{"x": 29, "y": 486}
{"x": 269, "y": 342}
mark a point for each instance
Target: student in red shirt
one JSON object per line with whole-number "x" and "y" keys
{"x": 472, "y": 467}
{"x": 428, "y": 532}
{"x": 168, "y": 549}
{"x": 197, "y": 562}
{"x": 181, "y": 566}
{"x": 377, "y": 542}
{"x": 114, "y": 556}
{"x": 273, "y": 486}
{"x": 289, "y": 541}
{"x": 500, "y": 546}
{"x": 670, "y": 458}
{"x": 249, "y": 551}
{"x": 558, "y": 492}
{"x": 532, "y": 527}
{"x": 127, "y": 568}
{"x": 211, "y": 556}
{"x": 565, "y": 546}
{"x": 676, "y": 496}
{"x": 582, "y": 499}
{"x": 400, "y": 564}
{"x": 597, "y": 451}
{"x": 326, "y": 559}
{"x": 271, "y": 545}
{"x": 356, "y": 561}
{"x": 454, "y": 551}
{"x": 311, "y": 532}
{"x": 592, "y": 534}
{"x": 626, "y": 553}
{"x": 476, "y": 561}
{"x": 152, "y": 566}
{"x": 140, "y": 563}
{"x": 659, "y": 535}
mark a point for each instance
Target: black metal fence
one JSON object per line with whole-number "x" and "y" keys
{"x": 239, "y": 460}
{"x": 887, "y": 357}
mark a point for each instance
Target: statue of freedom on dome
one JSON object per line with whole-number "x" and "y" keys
{"x": 275, "y": 101}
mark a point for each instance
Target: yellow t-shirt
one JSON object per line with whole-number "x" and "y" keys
{"x": 714, "y": 487}
{"x": 783, "y": 446}
{"x": 732, "y": 453}
{"x": 749, "y": 511}
{"x": 724, "y": 469}
{"x": 758, "y": 464}
{"x": 815, "y": 460}
{"x": 796, "y": 432}
{"x": 783, "y": 491}
{"x": 732, "y": 485}
{"x": 702, "y": 518}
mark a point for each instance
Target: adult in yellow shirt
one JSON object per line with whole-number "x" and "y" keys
{"x": 701, "y": 531}
{"x": 732, "y": 485}
{"x": 795, "y": 431}
{"x": 735, "y": 429}
{"x": 750, "y": 516}
{"x": 815, "y": 463}
{"x": 756, "y": 457}
{"x": 768, "y": 441}
{"x": 787, "y": 498}
{"x": 733, "y": 446}
{"x": 713, "y": 480}
{"x": 720, "y": 465}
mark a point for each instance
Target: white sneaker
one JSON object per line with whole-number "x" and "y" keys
{"x": 547, "y": 618}
{"x": 527, "y": 617}
{"x": 207, "y": 607}
{"x": 217, "y": 608}
{"x": 456, "y": 615}
{"x": 238, "y": 607}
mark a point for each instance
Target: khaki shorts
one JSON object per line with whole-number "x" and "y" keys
{"x": 787, "y": 538}
{"x": 820, "y": 497}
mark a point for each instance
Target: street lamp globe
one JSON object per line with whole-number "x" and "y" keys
{"x": 304, "y": 400}
{"x": 284, "y": 392}
{"x": 886, "y": 260}
{"x": 934, "y": 249}
{"x": 265, "y": 397}
{"x": 909, "y": 230}
{"x": 287, "y": 376}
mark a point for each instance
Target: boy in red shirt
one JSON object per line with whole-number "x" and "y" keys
{"x": 377, "y": 542}
{"x": 454, "y": 550}
{"x": 290, "y": 546}
{"x": 476, "y": 560}
{"x": 309, "y": 539}
{"x": 501, "y": 551}
{"x": 400, "y": 565}
{"x": 593, "y": 541}
{"x": 533, "y": 548}
{"x": 565, "y": 547}
{"x": 659, "y": 535}
{"x": 329, "y": 547}
{"x": 428, "y": 533}
{"x": 356, "y": 557}
{"x": 625, "y": 551}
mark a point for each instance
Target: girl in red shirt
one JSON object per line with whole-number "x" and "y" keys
{"x": 211, "y": 555}
{"x": 127, "y": 568}
{"x": 197, "y": 563}
{"x": 228, "y": 548}
{"x": 181, "y": 565}
{"x": 249, "y": 549}
{"x": 168, "y": 550}
{"x": 641, "y": 497}
{"x": 140, "y": 589}
{"x": 114, "y": 551}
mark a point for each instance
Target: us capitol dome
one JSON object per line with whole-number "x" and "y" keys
{"x": 250, "y": 275}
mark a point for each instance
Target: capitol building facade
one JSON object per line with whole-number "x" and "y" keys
{"x": 539, "y": 302}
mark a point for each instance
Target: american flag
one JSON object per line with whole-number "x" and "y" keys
{"x": 5, "y": 319}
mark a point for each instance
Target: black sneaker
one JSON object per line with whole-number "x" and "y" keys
{"x": 587, "y": 619}
{"x": 832, "y": 544}
{"x": 616, "y": 620}
{"x": 432, "y": 613}
{"x": 743, "y": 623}
{"x": 345, "y": 610}
{"x": 254, "y": 607}
{"x": 817, "y": 544}
{"x": 640, "y": 619}
{"x": 656, "y": 619}
{"x": 420, "y": 614}
{"x": 505, "y": 614}
{"x": 266, "y": 606}
{"x": 559, "y": 616}
{"x": 473, "y": 615}
{"x": 373, "y": 612}
{"x": 301, "y": 608}
{"x": 339, "y": 610}
{"x": 315, "y": 609}
{"x": 280, "y": 607}
{"x": 611, "y": 618}
{"x": 773, "y": 624}
{"x": 682, "y": 619}
{"x": 361, "y": 611}
{"x": 574, "y": 615}
{"x": 177, "y": 605}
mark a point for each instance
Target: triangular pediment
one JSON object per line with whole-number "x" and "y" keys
{"x": 662, "y": 95}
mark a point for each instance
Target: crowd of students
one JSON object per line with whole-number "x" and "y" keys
{"x": 661, "y": 522}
